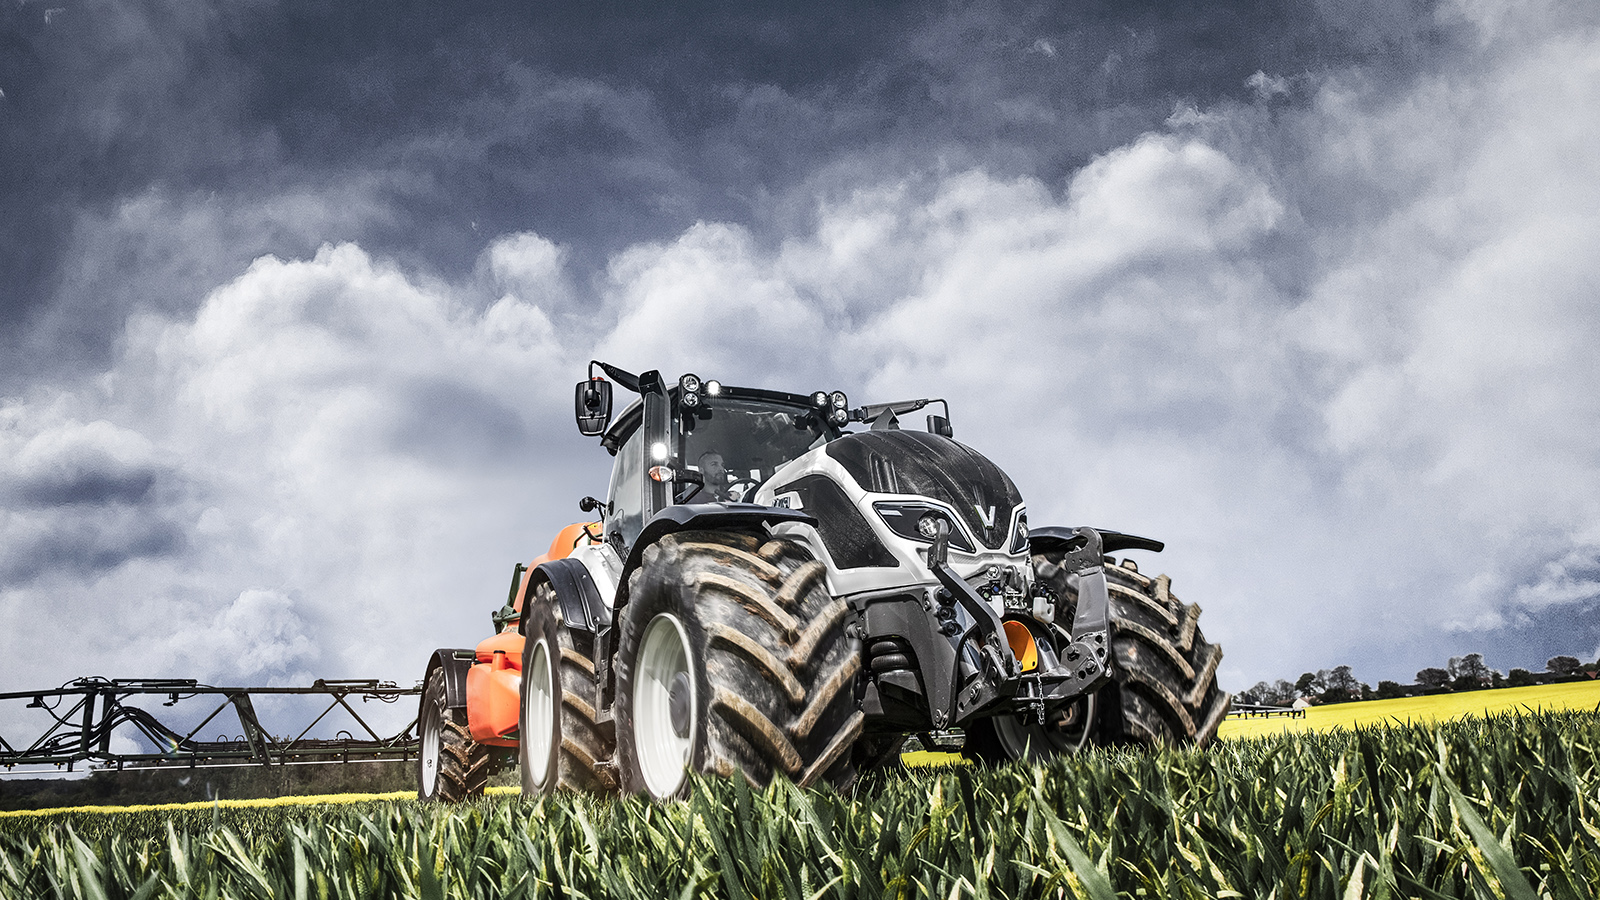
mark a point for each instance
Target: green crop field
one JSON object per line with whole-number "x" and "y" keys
{"x": 1504, "y": 807}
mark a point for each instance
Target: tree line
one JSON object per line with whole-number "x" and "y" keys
{"x": 1461, "y": 673}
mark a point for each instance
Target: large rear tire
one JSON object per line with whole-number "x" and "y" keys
{"x": 733, "y": 658}
{"x": 1163, "y": 670}
{"x": 560, "y": 744}
{"x": 451, "y": 766}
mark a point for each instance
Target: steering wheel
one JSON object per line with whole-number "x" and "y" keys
{"x": 741, "y": 491}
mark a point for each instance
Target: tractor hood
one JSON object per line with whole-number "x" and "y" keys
{"x": 928, "y": 465}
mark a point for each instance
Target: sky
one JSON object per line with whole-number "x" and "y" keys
{"x": 294, "y": 295}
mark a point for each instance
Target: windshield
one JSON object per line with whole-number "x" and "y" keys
{"x": 737, "y": 444}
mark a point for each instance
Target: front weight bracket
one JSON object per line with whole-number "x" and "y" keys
{"x": 1086, "y": 656}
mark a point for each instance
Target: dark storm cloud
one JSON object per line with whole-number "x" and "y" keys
{"x": 332, "y": 269}
{"x": 133, "y": 130}
{"x": 84, "y": 546}
{"x": 82, "y": 499}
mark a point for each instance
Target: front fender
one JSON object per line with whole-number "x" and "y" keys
{"x": 705, "y": 517}
{"x": 1048, "y": 538}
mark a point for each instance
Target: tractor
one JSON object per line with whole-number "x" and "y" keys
{"x": 768, "y": 591}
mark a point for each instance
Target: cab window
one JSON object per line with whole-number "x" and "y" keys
{"x": 737, "y": 444}
{"x": 625, "y": 509}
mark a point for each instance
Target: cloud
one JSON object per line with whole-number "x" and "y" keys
{"x": 1333, "y": 350}
{"x": 77, "y": 495}
{"x": 1267, "y": 86}
{"x": 259, "y": 637}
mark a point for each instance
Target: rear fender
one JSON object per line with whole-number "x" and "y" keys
{"x": 455, "y": 664}
{"x": 582, "y": 608}
{"x": 584, "y": 614}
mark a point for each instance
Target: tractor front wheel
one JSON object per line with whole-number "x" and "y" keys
{"x": 1007, "y": 737}
{"x": 1163, "y": 686}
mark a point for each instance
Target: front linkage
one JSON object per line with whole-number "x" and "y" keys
{"x": 903, "y": 634}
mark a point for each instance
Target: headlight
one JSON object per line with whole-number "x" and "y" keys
{"x": 1019, "y": 542}
{"x": 713, "y": 388}
{"x": 689, "y": 401}
{"x": 919, "y": 522}
{"x": 838, "y": 399}
{"x": 820, "y": 400}
{"x": 689, "y": 384}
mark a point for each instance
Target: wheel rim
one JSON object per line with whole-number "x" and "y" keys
{"x": 665, "y": 706}
{"x": 429, "y": 758}
{"x": 1068, "y": 734}
{"x": 538, "y": 713}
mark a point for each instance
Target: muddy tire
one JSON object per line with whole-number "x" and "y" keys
{"x": 560, "y": 744}
{"x": 733, "y": 659}
{"x": 1164, "y": 672}
{"x": 451, "y": 766}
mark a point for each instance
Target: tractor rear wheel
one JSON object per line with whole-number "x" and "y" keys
{"x": 451, "y": 766}
{"x": 1164, "y": 672}
{"x": 733, "y": 658}
{"x": 560, "y": 745}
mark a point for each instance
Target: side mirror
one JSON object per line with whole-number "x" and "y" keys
{"x": 592, "y": 405}
{"x": 941, "y": 426}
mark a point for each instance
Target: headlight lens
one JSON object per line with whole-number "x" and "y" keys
{"x": 919, "y": 522}
{"x": 820, "y": 400}
{"x": 838, "y": 399}
{"x": 1019, "y": 542}
{"x": 689, "y": 384}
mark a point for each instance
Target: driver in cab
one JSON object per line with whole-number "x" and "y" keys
{"x": 717, "y": 479}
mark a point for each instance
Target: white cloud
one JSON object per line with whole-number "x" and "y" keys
{"x": 1268, "y": 86}
{"x": 259, "y": 638}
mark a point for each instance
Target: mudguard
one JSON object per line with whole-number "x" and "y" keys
{"x": 455, "y": 664}
{"x": 582, "y": 608}
{"x": 709, "y": 517}
{"x": 1051, "y": 537}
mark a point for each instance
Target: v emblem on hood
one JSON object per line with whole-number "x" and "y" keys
{"x": 987, "y": 517}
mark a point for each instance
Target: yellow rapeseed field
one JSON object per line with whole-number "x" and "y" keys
{"x": 1584, "y": 695}
{"x": 307, "y": 800}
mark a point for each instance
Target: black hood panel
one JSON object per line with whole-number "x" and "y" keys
{"x": 916, "y": 462}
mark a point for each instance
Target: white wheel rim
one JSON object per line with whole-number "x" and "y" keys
{"x": 430, "y": 752}
{"x": 663, "y": 657}
{"x": 538, "y": 713}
